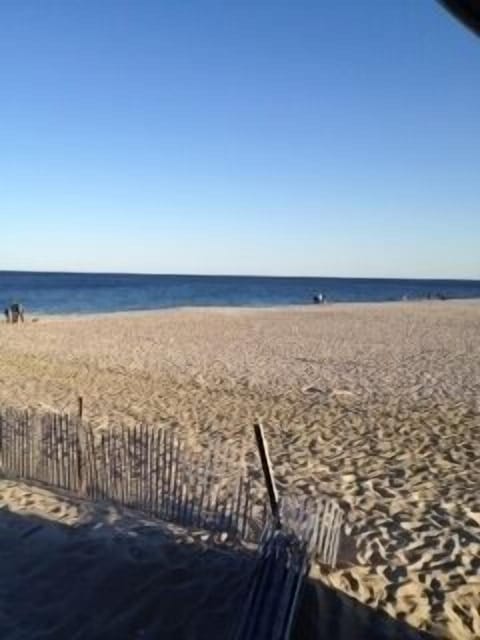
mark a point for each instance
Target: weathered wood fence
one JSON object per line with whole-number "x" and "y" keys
{"x": 142, "y": 468}
{"x": 153, "y": 470}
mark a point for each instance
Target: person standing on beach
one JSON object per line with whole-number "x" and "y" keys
{"x": 6, "y": 313}
{"x": 17, "y": 312}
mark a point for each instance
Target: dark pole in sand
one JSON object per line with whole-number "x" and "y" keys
{"x": 80, "y": 407}
{"x": 268, "y": 473}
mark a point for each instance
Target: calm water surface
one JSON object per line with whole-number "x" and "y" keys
{"x": 62, "y": 293}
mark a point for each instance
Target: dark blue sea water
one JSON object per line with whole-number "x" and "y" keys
{"x": 92, "y": 293}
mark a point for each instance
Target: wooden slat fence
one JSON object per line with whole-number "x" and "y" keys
{"x": 142, "y": 468}
{"x": 152, "y": 470}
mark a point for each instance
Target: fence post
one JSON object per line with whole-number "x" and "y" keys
{"x": 268, "y": 473}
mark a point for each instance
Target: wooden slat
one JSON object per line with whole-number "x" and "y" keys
{"x": 147, "y": 470}
{"x": 170, "y": 476}
{"x": 150, "y": 471}
{"x": 136, "y": 471}
{"x": 126, "y": 464}
{"x": 61, "y": 452}
{"x": 91, "y": 453}
{"x": 156, "y": 471}
{"x": 51, "y": 451}
{"x": 165, "y": 446}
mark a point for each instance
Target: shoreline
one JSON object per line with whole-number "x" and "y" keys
{"x": 310, "y": 308}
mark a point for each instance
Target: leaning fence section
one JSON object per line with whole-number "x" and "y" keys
{"x": 318, "y": 522}
{"x": 303, "y": 531}
{"x": 275, "y": 590}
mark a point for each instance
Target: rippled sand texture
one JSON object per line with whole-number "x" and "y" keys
{"x": 375, "y": 404}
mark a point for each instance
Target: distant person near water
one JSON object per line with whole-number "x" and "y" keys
{"x": 319, "y": 298}
{"x": 6, "y": 313}
{"x": 16, "y": 313}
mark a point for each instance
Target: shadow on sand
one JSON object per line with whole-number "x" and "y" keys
{"x": 87, "y": 582}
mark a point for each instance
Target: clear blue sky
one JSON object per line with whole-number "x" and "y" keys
{"x": 265, "y": 137}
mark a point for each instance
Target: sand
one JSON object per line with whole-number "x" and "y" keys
{"x": 377, "y": 405}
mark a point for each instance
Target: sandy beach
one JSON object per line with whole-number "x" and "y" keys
{"x": 375, "y": 404}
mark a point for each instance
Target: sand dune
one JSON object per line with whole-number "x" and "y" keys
{"x": 377, "y": 405}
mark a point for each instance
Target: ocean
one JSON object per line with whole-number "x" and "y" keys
{"x": 62, "y": 293}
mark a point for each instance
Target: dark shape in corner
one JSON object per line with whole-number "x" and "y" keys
{"x": 467, "y": 11}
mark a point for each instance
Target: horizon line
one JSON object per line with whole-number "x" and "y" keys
{"x": 230, "y": 275}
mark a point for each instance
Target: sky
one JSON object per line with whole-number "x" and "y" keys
{"x": 280, "y": 137}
